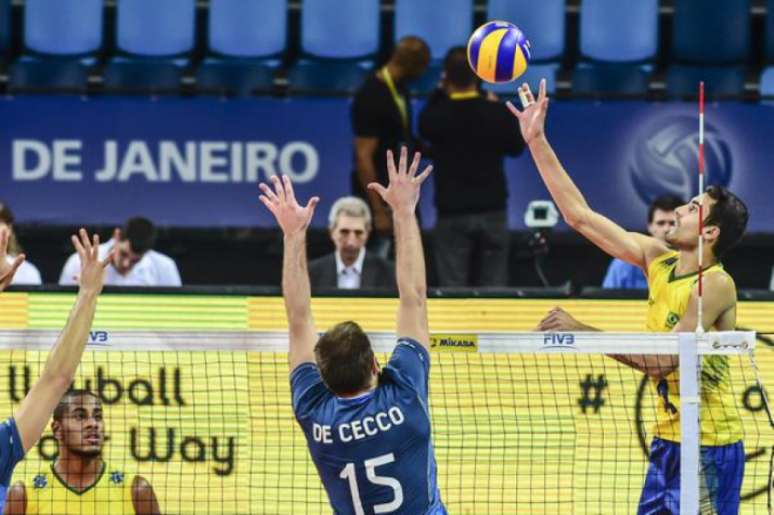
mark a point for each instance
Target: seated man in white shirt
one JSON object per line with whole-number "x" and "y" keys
{"x": 350, "y": 266}
{"x": 27, "y": 274}
{"x": 135, "y": 263}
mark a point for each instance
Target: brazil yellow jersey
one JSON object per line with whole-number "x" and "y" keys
{"x": 667, "y": 301}
{"x": 48, "y": 493}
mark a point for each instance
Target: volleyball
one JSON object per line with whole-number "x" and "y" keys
{"x": 498, "y": 52}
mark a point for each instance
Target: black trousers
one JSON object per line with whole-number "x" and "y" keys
{"x": 472, "y": 249}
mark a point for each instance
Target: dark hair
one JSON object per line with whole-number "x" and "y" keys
{"x": 6, "y": 216}
{"x": 457, "y": 69}
{"x": 345, "y": 357}
{"x": 412, "y": 54}
{"x": 64, "y": 402}
{"x": 141, "y": 234}
{"x": 664, "y": 203}
{"x": 730, "y": 215}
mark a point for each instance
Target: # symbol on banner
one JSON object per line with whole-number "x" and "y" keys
{"x": 665, "y": 159}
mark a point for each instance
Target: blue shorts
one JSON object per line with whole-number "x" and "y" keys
{"x": 722, "y": 471}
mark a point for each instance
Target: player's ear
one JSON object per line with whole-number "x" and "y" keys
{"x": 55, "y": 427}
{"x": 375, "y": 368}
{"x": 711, "y": 233}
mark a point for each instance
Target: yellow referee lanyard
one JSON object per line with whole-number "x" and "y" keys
{"x": 464, "y": 95}
{"x": 400, "y": 102}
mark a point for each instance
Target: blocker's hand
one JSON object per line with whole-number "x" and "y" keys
{"x": 402, "y": 193}
{"x": 7, "y": 270}
{"x": 559, "y": 320}
{"x": 291, "y": 216}
{"x": 532, "y": 119}
{"x": 92, "y": 276}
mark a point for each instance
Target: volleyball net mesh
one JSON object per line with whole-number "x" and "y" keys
{"x": 522, "y": 422}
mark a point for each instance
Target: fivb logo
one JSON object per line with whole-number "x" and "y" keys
{"x": 98, "y": 338}
{"x": 665, "y": 158}
{"x": 558, "y": 341}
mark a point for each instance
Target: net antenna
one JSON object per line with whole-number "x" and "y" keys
{"x": 700, "y": 306}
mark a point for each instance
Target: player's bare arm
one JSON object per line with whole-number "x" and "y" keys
{"x": 59, "y": 371}
{"x": 632, "y": 247}
{"x": 294, "y": 220}
{"x": 144, "y": 498}
{"x": 16, "y": 502}
{"x": 402, "y": 195}
{"x": 7, "y": 270}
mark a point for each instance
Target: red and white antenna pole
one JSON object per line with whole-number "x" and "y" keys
{"x": 700, "y": 324}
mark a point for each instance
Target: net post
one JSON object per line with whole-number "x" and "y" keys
{"x": 689, "y": 423}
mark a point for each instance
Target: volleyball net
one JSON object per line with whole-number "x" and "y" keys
{"x": 522, "y": 422}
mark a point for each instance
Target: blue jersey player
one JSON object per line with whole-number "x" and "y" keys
{"x": 20, "y": 432}
{"x": 368, "y": 430}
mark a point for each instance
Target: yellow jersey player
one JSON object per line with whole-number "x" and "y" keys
{"x": 80, "y": 481}
{"x": 673, "y": 299}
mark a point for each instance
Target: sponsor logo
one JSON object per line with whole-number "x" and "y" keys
{"x": 665, "y": 158}
{"x": 559, "y": 341}
{"x": 454, "y": 342}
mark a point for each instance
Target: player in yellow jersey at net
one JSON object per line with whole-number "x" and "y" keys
{"x": 672, "y": 306}
{"x": 80, "y": 482}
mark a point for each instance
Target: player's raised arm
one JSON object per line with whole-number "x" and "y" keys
{"x": 7, "y": 270}
{"x": 294, "y": 219}
{"x": 63, "y": 360}
{"x": 144, "y": 498}
{"x": 633, "y": 248}
{"x": 402, "y": 194}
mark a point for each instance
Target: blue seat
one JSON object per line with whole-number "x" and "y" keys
{"x": 716, "y": 35}
{"x": 353, "y": 32}
{"x": 767, "y": 83}
{"x": 61, "y": 39}
{"x": 243, "y": 60}
{"x": 154, "y": 39}
{"x": 611, "y": 79}
{"x": 314, "y": 76}
{"x": 338, "y": 50}
{"x": 769, "y": 32}
{"x": 532, "y": 76}
{"x": 682, "y": 81}
{"x": 612, "y": 30}
{"x": 5, "y": 27}
{"x": 442, "y": 27}
{"x": 542, "y": 22}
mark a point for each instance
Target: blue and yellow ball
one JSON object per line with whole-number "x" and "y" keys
{"x": 498, "y": 52}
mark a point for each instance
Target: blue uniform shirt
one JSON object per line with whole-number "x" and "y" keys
{"x": 373, "y": 452}
{"x": 621, "y": 274}
{"x": 11, "y": 453}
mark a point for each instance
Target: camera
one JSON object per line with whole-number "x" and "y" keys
{"x": 541, "y": 214}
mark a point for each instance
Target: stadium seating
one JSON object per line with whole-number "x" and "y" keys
{"x": 5, "y": 27}
{"x": 696, "y": 52}
{"x": 423, "y": 18}
{"x": 241, "y": 59}
{"x": 337, "y": 51}
{"x": 618, "y": 41}
{"x": 767, "y": 76}
{"x": 61, "y": 39}
{"x": 154, "y": 39}
{"x": 544, "y": 25}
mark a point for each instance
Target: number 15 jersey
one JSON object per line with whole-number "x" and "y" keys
{"x": 373, "y": 452}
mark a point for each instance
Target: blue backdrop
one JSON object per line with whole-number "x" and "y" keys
{"x": 195, "y": 162}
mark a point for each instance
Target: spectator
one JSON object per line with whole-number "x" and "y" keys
{"x": 134, "y": 263}
{"x": 351, "y": 266}
{"x": 468, "y": 137}
{"x": 381, "y": 120}
{"x": 661, "y": 219}
{"x": 27, "y": 274}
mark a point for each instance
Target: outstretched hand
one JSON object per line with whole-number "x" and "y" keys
{"x": 92, "y": 276}
{"x": 291, "y": 216}
{"x": 402, "y": 193}
{"x": 532, "y": 119}
{"x": 559, "y": 320}
{"x": 7, "y": 270}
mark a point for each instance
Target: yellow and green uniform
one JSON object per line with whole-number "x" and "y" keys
{"x": 667, "y": 302}
{"x": 111, "y": 493}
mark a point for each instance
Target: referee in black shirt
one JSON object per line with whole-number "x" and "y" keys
{"x": 381, "y": 120}
{"x": 468, "y": 136}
